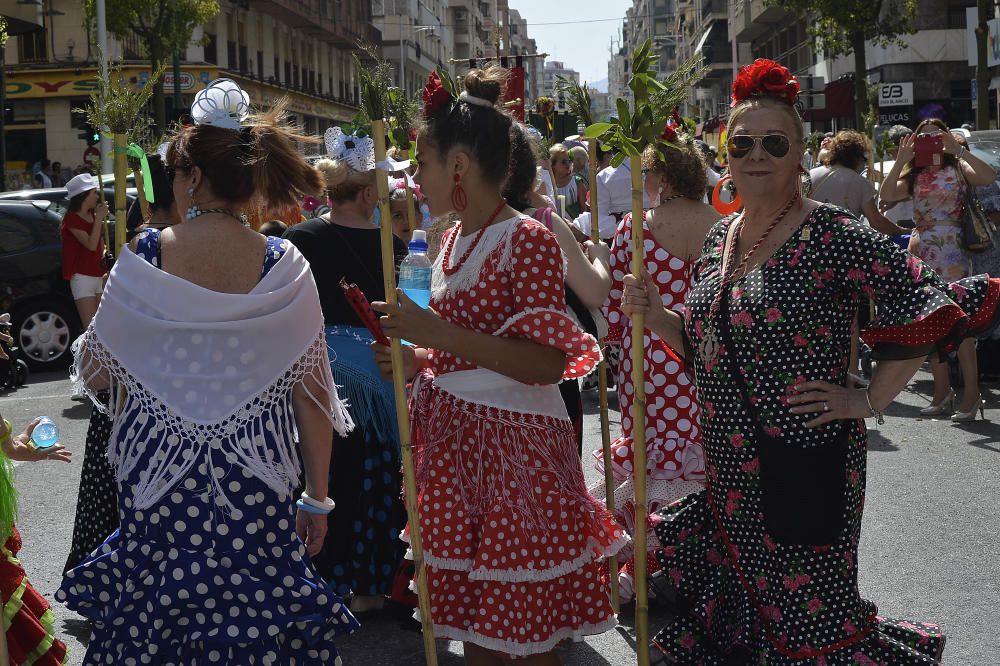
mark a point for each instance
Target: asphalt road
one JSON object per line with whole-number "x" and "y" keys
{"x": 930, "y": 546}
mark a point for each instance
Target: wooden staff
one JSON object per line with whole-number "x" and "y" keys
{"x": 120, "y": 142}
{"x": 402, "y": 414}
{"x": 107, "y": 222}
{"x": 639, "y": 428}
{"x": 602, "y": 384}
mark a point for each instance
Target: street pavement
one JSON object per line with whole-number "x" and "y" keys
{"x": 930, "y": 547}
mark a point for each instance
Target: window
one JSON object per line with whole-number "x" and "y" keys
{"x": 31, "y": 47}
{"x": 15, "y": 236}
{"x": 211, "y": 49}
{"x": 244, "y": 60}
{"x": 230, "y": 54}
{"x": 956, "y": 17}
{"x": 260, "y": 65}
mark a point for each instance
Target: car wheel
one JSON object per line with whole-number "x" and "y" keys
{"x": 44, "y": 330}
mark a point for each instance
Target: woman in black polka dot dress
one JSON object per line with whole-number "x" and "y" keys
{"x": 97, "y": 501}
{"x": 763, "y": 563}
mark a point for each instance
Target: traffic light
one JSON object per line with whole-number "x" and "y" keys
{"x": 89, "y": 134}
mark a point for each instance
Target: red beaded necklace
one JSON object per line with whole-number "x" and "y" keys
{"x": 446, "y": 264}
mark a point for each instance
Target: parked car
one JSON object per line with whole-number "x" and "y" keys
{"x": 60, "y": 202}
{"x": 32, "y": 288}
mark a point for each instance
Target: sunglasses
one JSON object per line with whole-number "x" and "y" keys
{"x": 565, "y": 161}
{"x": 739, "y": 146}
{"x": 171, "y": 172}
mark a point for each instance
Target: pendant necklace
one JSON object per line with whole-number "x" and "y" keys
{"x": 446, "y": 264}
{"x": 709, "y": 346}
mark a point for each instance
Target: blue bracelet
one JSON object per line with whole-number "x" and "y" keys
{"x": 308, "y": 508}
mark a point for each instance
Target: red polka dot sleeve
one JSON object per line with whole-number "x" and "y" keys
{"x": 620, "y": 265}
{"x": 539, "y": 313}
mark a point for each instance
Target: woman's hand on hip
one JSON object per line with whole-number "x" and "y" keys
{"x": 829, "y": 402}
{"x": 408, "y": 320}
{"x": 311, "y": 528}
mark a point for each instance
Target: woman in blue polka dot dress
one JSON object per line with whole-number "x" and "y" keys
{"x": 216, "y": 378}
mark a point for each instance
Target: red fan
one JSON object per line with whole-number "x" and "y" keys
{"x": 359, "y": 302}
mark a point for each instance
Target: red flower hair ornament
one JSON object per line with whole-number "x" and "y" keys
{"x": 765, "y": 78}
{"x": 436, "y": 97}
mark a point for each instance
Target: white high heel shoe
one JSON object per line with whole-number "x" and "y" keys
{"x": 971, "y": 415}
{"x": 946, "y": 406}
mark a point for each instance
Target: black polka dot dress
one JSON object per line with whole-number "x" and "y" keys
{"x": 97, "y": 500}
{"x": 745, "y": 594}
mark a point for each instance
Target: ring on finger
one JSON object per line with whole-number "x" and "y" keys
{"x": 826, "y": 406}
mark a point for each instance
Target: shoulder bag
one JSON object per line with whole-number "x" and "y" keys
{"x": 978, "y": 230}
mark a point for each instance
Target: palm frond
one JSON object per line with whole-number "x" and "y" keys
{"x": 578, "y": 99}
{"x": 674, "y": 89}
{"x": 374, "y": 79}
{"x": 116, "y": 106}
{"x": 402, "y": 114}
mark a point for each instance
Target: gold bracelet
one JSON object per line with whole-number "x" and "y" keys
{"x": 879, "y": 418}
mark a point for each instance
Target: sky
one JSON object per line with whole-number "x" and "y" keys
{"x": 576, "y": 34}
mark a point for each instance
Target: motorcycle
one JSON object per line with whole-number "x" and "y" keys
{"x": 13, "y": 369}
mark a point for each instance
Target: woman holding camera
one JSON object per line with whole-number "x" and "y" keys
{"x": 83, "y": 246}
{"x": 938, "y": 194}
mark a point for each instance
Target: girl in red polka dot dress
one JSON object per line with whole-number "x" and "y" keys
{"x": 512, "y": 540}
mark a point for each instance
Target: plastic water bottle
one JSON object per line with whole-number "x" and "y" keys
{"x": 415, "y": 271}
{"x": 45, "y": 434}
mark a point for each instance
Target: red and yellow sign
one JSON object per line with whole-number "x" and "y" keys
{"x": 54, "y": 83}
{"x": 47, "y": 84}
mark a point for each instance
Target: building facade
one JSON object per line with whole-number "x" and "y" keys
{"x": 474, "y": 24}
{"x": 520, "y": 44}
{"x": 416, "y": 39}
{"x": 932, "y": 64}
{"x": 273, "y": 49}
{"x": 553, "y": 70}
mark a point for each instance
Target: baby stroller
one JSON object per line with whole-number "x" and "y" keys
{"x": 13, "y": 369}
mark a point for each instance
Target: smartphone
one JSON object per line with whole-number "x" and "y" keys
{"x": 359, "y": 303}
{"x": 928, "y": 150}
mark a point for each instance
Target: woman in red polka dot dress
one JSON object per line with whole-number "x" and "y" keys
{"x": 676, "y": 227}
{"x": 513, "y": 542}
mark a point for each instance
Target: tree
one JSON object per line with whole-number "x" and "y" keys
{"x": 163, "y": 26}
{"x": 982, "y": 67}
{"x": 844, "y": 26}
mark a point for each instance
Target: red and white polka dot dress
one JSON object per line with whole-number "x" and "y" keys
{"x": 512, "y": 540}
{"x": 675, "y": 459}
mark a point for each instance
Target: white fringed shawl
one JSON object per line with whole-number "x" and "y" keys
{"x": 497, "y": 238}
{"x": 199, "y": 375}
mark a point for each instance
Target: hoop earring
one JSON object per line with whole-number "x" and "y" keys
{"x": 459, "y": 199}
{"x": 723, "y": 207}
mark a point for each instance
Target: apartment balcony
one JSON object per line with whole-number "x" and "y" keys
{"x": 754, "y": 18}
{"x": 22, "y": 19}
{"x": 329, "y": 22}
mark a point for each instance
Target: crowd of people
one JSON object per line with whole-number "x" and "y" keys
{"x": 240, "y": 498}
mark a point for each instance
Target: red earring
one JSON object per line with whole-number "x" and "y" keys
{"x": 724, "y": 207}
{"x": 459, "y": 200}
